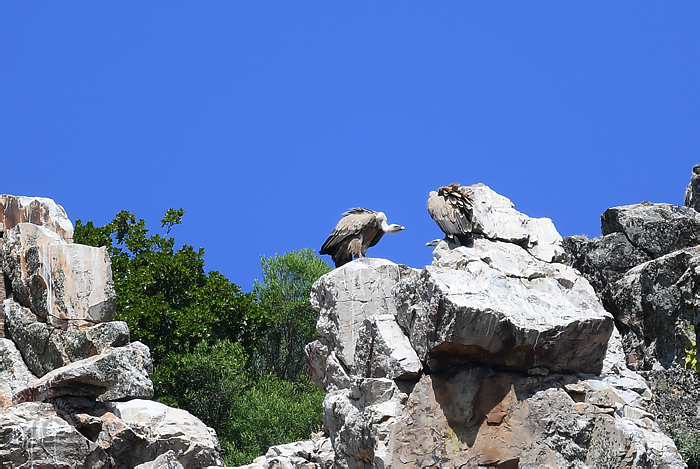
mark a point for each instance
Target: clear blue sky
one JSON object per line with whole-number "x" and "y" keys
{"x": 266, "y": 120}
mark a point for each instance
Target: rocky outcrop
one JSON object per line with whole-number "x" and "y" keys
{"x": 71, "y": 383}
{"x": 495, "y": 303}
{"x": 67, "y": 285}
{"x": 45, "y": 348}
{"x": 316, "y": 453}
{"x": 645, "y": 270}
{"x": 692, "y": 192}
{"x": 37, "y": 211}
{"x": 494, "y": 217}
{"x": 138, "y": 431}
{"x": 496, "y": 355}
{"x": 656, "y": 229}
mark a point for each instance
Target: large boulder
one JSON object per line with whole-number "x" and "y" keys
{"x": 692, "y": 192}
{"x": 36, "y": 210}
{"x": 34, "y": 435}
{"x": 656, "y": 229}
{"x": 525, "y": 367}
{"x": 14, "y": 374}
{"x": 139, "y": 431}
{"x": 45, "y": 347}
{"x": 474, "y": 416}
{"x": 116, "y": 374}
{"x": 384, "y": 351}
{"x": 346, "y": 296}
{"x": 495, "y": 303}
{"x": 316, "y": 453}
{"x": 654, "y": 306}
{"x": 68, "y": 285}
{"x": 494, "y": 217}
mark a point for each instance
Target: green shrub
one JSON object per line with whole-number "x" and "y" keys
{"x": 271, "y": 412}
{"x": 688, "y": 445}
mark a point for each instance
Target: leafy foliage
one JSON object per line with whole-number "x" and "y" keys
{"x": 271, "y": 412}
{"x": 284, "y": 295}
{"x": 688, "y": 445}
{"x": 206, "y": 382}
{"x": 691, "y": 360}
{"x": 233, "y": 359}
{"x": 248, "y": 414}
{"x": 164, "y": 295}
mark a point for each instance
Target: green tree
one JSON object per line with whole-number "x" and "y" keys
{"x": 271, "y": 412}
{"x": 163, "y": 293}
{"x": 284, "y": 295}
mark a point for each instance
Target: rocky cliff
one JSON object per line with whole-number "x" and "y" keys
{"x": 519, "y": 350}
{"x": 74, "y": 390}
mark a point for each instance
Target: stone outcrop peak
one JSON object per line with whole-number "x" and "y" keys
{"x": 498, "y": 354}
{"x": 72, "y": 384}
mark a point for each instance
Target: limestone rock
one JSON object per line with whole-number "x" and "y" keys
{"x": 692, "y": 192}
{"x": 325, "y": 370}
{"x": 603, "y": 261}
{"x": 70, "y": 285}
{"x": 139, "y": 431}
{"x": 316, "y": 453}
{"x": 33, "y": 435}
{"x": 118, "y": 373}
{"x": 164, "y": 461}
{"x": 472, "y": 417}
{"x": 657, "y": 229}
{"x": 497, "y": 304}
{"x": 45, "y": 347}
{"x": 346, "y": 296}
{"x": 36, "y": 210}
{"x": 14, "y": 374}
{"x": 494, "y": 217}
{"x": 654, "y": 306}
{"x": 384, "y": 351}
{"x": 361, "y": 419}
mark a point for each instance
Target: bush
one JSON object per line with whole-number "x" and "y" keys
{"x": 271, "y": 412}
{"x": 688, "y": 445}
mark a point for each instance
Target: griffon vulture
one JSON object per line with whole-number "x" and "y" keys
{"x": 358, "y": 230}
{"x": 451, "y": 208}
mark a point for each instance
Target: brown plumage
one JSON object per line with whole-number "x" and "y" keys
{"x": 358, "y": 230}
{"x": 451, "y": 208}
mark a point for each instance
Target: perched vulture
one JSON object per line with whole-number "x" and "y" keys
{"x": 451, "y": 208}
{"x": 358, "y": 230}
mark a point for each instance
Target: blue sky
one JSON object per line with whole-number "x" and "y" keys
{"x": 266, "y": 120}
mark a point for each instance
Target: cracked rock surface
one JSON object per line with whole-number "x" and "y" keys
{"x": 71, "y": 382}
{"x": 514, "y": 361}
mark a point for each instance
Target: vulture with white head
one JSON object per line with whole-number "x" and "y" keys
{"x": 358, "y": 230}
{"x": 451, "y": 208}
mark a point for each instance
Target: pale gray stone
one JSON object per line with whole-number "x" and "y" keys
{"x": 164, "y": 461}
{"x": 118, "y": 373}
{"x": 502, "y": 306}
{"x": 494, "y": 216}
{"x": 14, "y": 374}
{"x": 325, "y": 370}
{"x": 346, "y": 296}
{"x": 139, "y": 431}
{"x": 33, "y": 435}
{"x": 654, "y": 306}
{"x": 384, "y": 351}
{"x": 45, "y": 347}
{"x": 68, "y": 285}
